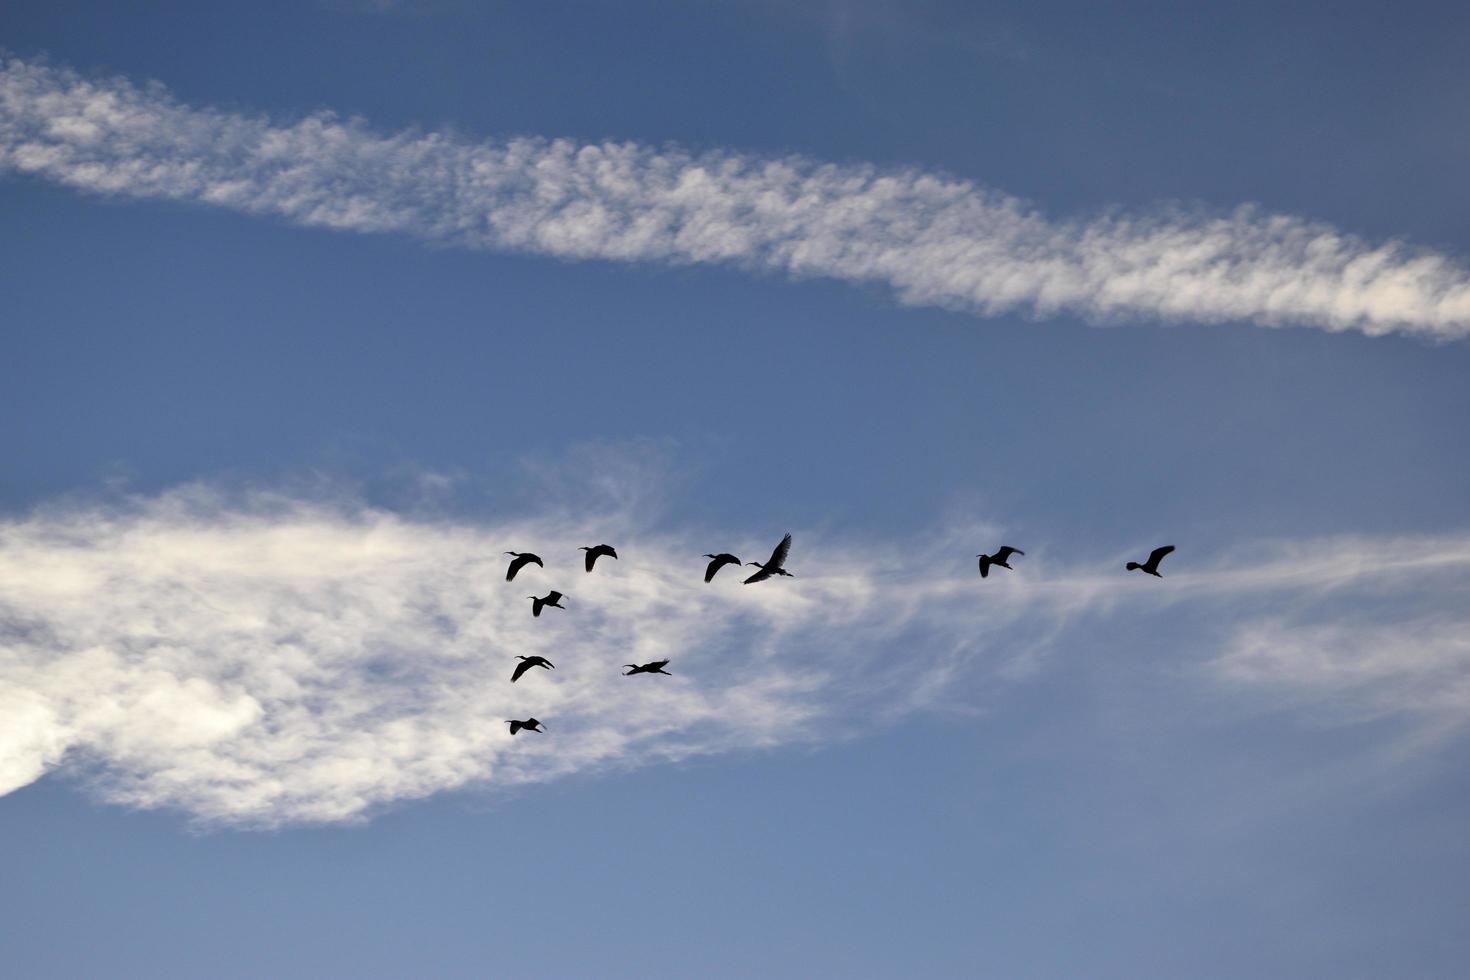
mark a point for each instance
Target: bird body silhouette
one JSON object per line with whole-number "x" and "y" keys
{"x": 718, "y": 562}
{"x": 1152, "y": 565}
{"x": 552, "y": 599}
{"x": 519, "y": 560}
{"x": 526, "y": 663}
{"x": 530, "y": 725}
{"x": 998, "y": 559}
{"x": 594, "y": 553}
{"x": 652, "y": 667}
{"x": 774, "y": 565}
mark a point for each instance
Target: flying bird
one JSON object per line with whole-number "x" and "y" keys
{"x": 530, "y": 725}
{"x": 595, "y": 553}
{"x": 652, "y": 667}
{"x": 718, "y": 562}
{"x": 552, "y": 599}
{"x": 526, "y": 663}
{"x": 773, "y": 565}
{"x": 1152, "y": 565}
{"x": 998, "y": 559}
{"x": 520, "y": 559}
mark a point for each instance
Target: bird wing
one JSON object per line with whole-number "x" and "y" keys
{"x": 590, "y": 558}
{"x": 521, "y": 668}
{"x": 536, "y": 605}
{"x": 760, "y": 576}
{"x": 718, "y": 562}
{"x": 657, "y": 664}
{"x": 984, "y": 565}
{"x": 608, "y": 550}
{"x": 520, "y": 562}
{"x": 554, "y": 597}
{"x": 1157, "y": 555}
{"x": 778, "y": 557}
{"x": 1005, "y": 552}
{"x": 515, "y": 726}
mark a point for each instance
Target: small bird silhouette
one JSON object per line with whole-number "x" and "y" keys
{"x": 552, "y": 599}
{"x": 595, "y": 553}
{"x": 526, "y": 663}
{"x": 530, "y": 725}
{"x": 652, "y": 667}
{"x": 520, "y": 559}
{"x": 998, "y": 559}
{"x": 1152, "y": 565}
{"x": 773, "y": 566}
{"x": 718, "y": 562}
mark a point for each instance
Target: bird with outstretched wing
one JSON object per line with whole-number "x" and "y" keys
{"x": 773, "y": 566}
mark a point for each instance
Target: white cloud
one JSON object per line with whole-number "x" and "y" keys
{"x": 276, "y": 660}
{"x": 1365, "y": 670}
{"x": 934, "y": 240}
{"x": 263, "y": 660}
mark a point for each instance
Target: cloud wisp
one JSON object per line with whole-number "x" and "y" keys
{"x": 270, "y": 660}
{"x": 933, "y": 240}
{"x": 280, "y": 661}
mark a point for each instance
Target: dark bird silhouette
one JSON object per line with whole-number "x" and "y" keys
{"x": 526, "y": 663}
{"x": 998, "y": 559}
{"x": 595, "y": 553}
{"x": 652, "y": 667}
{"x": 773, "y": 565}
{"x": 519, "y": 560}
{"x": 718, "y": 562}
{"x": 552, "y": 599}
{"x": 530, "y": 725}
{"x": 1152, "y": 565}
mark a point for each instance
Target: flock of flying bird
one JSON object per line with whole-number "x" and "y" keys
{"x": 773, "y": 566}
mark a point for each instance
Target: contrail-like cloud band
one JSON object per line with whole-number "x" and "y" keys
{"x": 270, "y": 660}
{"x": 934, "y": 240}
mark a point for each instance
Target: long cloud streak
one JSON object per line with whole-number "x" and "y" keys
{"x": 934, "y": 240}
{"x": 272, "y": 660}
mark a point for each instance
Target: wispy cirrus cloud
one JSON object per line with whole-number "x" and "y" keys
{"x": 269, "y": 659}
{"x": 934, "y": 240}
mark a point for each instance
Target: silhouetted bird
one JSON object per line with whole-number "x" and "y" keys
{"x": 595, "y": 553}
{"x": 526, "y": 663}
{"x": 519, "y": 561}
{"x": 998, "y": 559}
{"x": 773, "y": 565}
{"x": 1152, "y": 565}
{"x": 652, "y": 667}
{"x": 718, "y": 562}
{"x": 530, "y": 725}
{"x": 552, "y": 599}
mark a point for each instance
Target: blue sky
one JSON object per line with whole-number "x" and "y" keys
{"x": 307, "y": 319}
